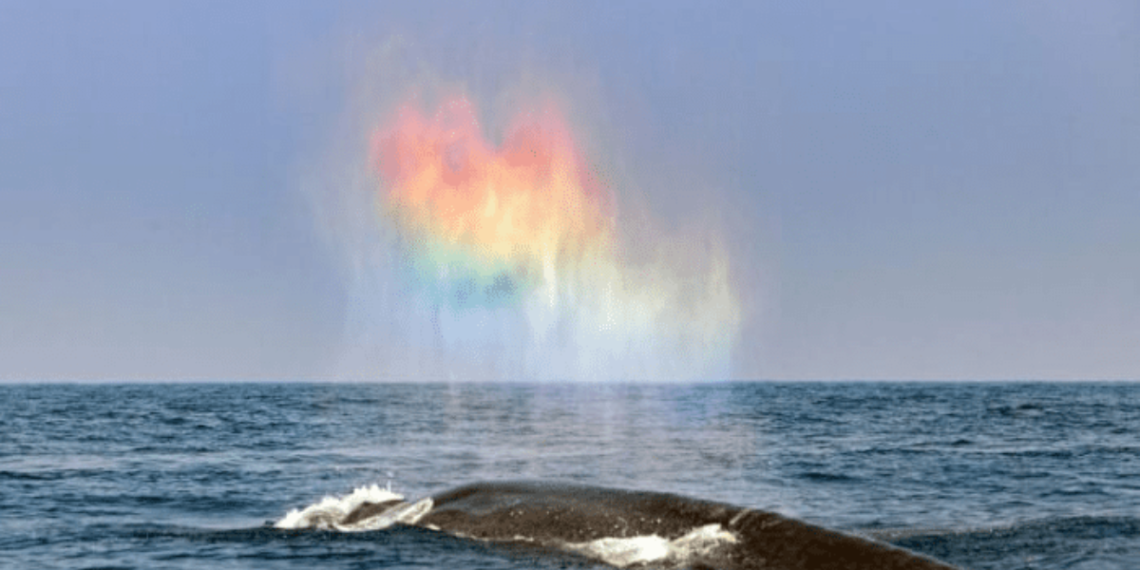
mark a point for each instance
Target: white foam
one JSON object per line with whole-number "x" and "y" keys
{"x": 329, "y": 513}
{"x": 624, "y": 552}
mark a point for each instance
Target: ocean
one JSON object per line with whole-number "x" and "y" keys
{"x": 979, "y": 475}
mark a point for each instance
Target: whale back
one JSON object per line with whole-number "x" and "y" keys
{"x": 577, "y": 515}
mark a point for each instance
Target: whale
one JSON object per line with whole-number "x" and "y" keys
{"x": 626, "y": 528}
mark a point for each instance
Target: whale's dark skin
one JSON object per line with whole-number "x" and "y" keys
{"x": 367, "y": 510}
{"x": 560, "y": 514}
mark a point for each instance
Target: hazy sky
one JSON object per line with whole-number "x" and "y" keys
{"x": 907, "y": 190}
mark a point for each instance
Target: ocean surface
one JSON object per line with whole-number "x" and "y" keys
{"x": 979, "y": 475}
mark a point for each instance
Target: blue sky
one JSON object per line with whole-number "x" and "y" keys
{"x": 931, "y": 190}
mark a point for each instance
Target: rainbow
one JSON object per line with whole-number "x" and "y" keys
{"x": 527, "y": 226}
{"x": 485, "y": 225}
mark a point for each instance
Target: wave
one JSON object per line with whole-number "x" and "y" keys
{"x": 618, "y": 527}
{"x": 822, "y": 477}
{"x": 1072, "y": 528}
{"x": 1050, "y": 542}
{"x": 365, "y": 509}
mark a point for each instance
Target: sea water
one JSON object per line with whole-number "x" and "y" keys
{"x": 980, "y": 475}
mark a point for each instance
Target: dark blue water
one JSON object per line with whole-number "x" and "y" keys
{"x": 981, "y": 475}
